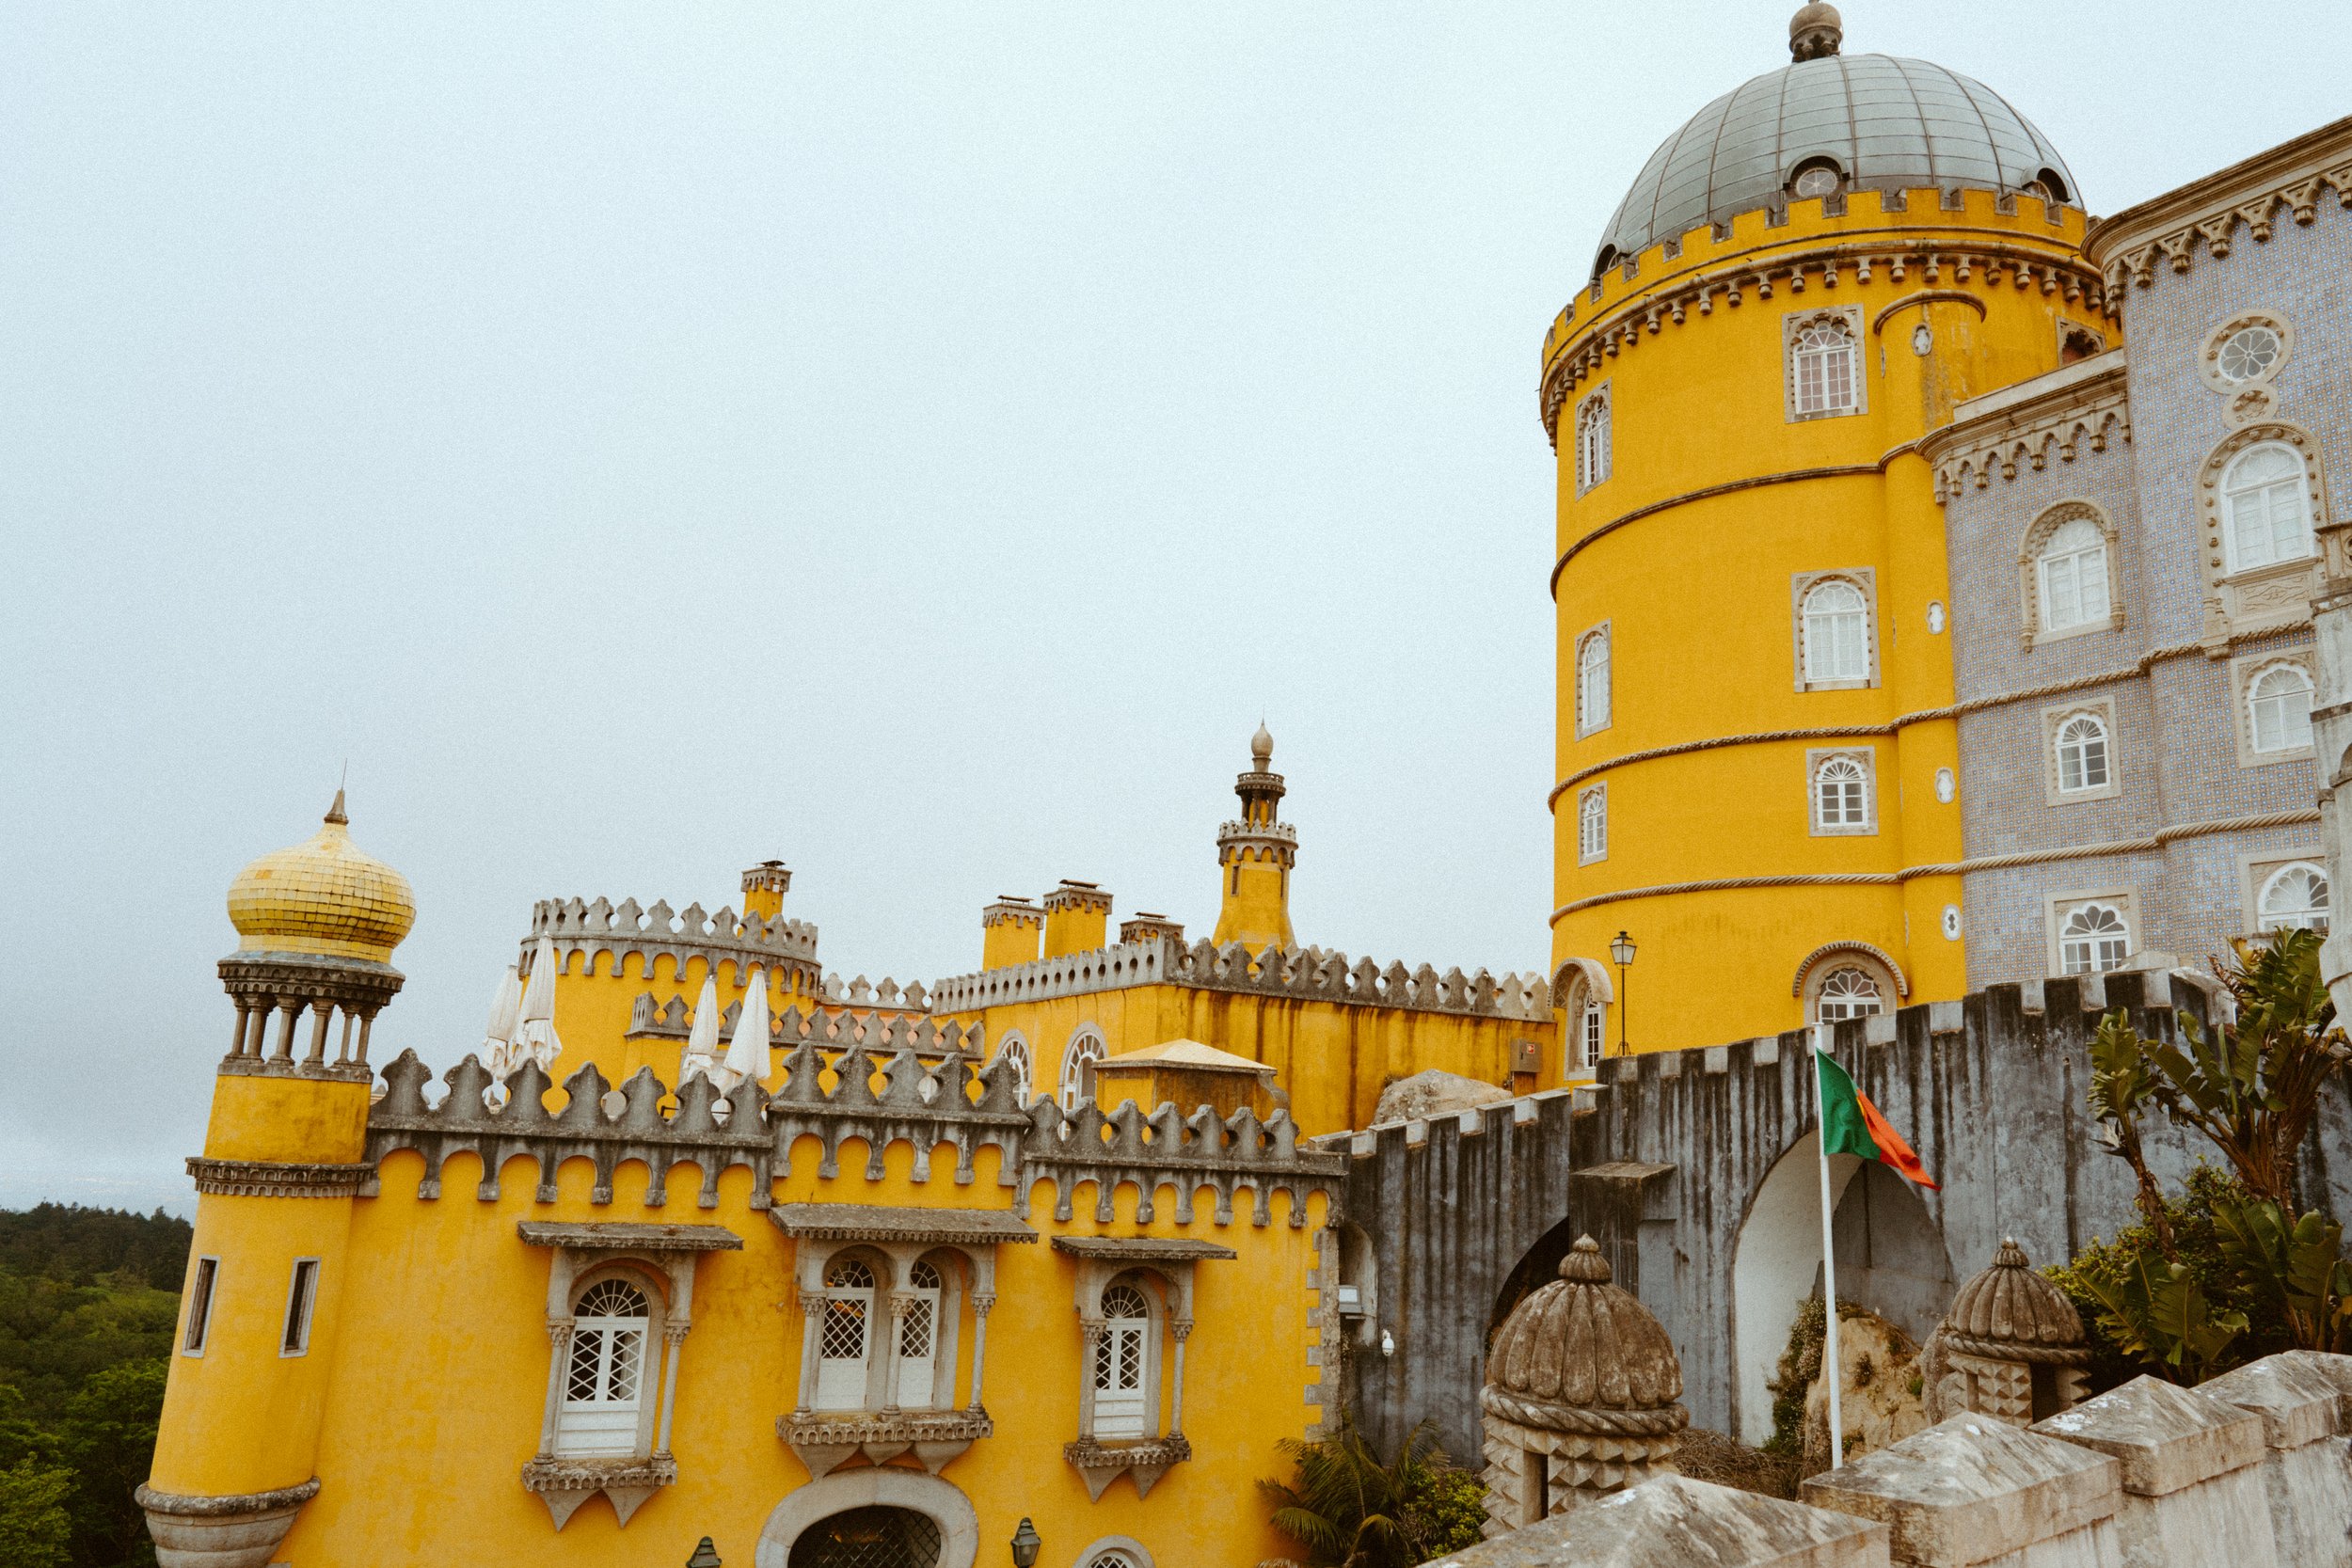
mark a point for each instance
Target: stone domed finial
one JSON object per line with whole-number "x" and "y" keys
{"x": 336, "y": 812}
{"x": 2012, "y": 1346}
{"x": 1815, "y": 32}
{"x": 1584, "y": 1265}
{"x": 1262, "y": 746}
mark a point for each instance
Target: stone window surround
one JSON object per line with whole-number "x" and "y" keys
{"x": 893, "y": 1267}
{"x": 2255, "y": 869}
{"x": 2259, "y": 598}
{"x": 1125, "y": 1545}
{"x": 1599, "y": 788}
{"x": 1802, "y": 583}
{"x": 1795, "y": 322}
{"x": 1576, "y": 678}
{"x": 660, "y": 1259}
{"x": 2209, "y": 359}
{"x": 2056, "y": 906}
{"x": 1579, "y": 983}
{"x": 1872, "y": 961}
{"x": 1100, "y": 1260}
{"x": 1598, "y": 398}
{"x": 1070, "y": 1080}
{"x": 2054, "y": 716}
{"x": 1866, "y": 755}
{"x": 2243, "y": 670}
{"x": 2031, "y": 633}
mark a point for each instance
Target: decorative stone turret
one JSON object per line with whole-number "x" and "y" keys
{"x": 2011, "y": 1347}
{"x": 1256, "y": 855}
{"x": 764, "y": 887}
{"x": 1010, "y": 929}
{"x": 1077, "y": 919}
{"x": 1143, "y": 925}
{"x": 1581, "y": 1385}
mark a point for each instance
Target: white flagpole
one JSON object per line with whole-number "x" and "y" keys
{"x": 1830, "y": 1367}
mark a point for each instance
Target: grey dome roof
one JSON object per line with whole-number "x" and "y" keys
{"x": 1888, "y": 124}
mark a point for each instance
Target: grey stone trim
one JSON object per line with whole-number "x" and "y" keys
{"x": 269, "y": 1178}
{"x": 650, "y": 1019}
{"x": 1285, "y": 971}
{"x": 283, "y": 1067}
{"x": 563, "y": 1484}
{"x": 601, "y": 928}
{"x": 2126, "y": 247}
{"x": 1099, "y": 1464}
{"x": 1139, "y": 1250}
{"x": 614, "y": 1235}
{"x": 859, "y": 1222}
{"x": 221, "y": 1508}
{"x": 936, "y": 1438}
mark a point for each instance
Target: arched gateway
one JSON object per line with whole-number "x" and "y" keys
{"x": 874, "y": 1517}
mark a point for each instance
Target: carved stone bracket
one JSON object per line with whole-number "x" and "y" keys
{"x": 563, "y": 1484}
{"x": 1099, "y": 1464}
{"x": 240, "y": 1531}
{"x": 270, "y": 1178}
{"x": 824, "y": 1443}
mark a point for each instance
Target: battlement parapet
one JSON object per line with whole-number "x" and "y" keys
{"x": 599, "y": 926}
{"x": 828, "y": 1091}
{"x": 1300, "y": 971}
{"x": 898, "y": 1022}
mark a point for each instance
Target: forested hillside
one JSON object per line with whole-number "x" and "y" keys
{"x": 88, "y": 1298}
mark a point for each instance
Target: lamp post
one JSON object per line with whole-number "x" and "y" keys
{"x": 1621, "y": 950}
{"x": 1024, "y": 1544}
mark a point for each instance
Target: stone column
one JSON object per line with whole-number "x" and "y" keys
{"x": 2306, "y": 1479}
{"x": 900, "y": 1305}
{"x": 980, "y": 1304}
{"x": 560, "y": 1336}
{"x": 342, "y": 1052}
{"x": 812, "y": 1324}
{"x": 322, "y": 1013}
{"x": 1182, "y": 1330}
{"x": 1090, "y": 1336}
{"x": 244, "y": 1015}
{"x": 288, "y": 1008}
{"x": 2192, "y": 1478}
{"x": 367, "y": 1022}
{"x": 673, "y": 1336}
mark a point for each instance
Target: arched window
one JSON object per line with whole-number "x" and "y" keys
{"x": 2249, "y": 354}
{"x": 845, "y": 1343}
{"x": 1085, "y": 1049}
{"x": 1821, "y": 369}
{"x": 1817, "y": 176}
{"x": 1592, "y": 682}
{"x": 2294, "y": 897}
{"x": 1113, "y": 1558}
{"x": 1592, "y": 824}
{"x": 605, "y": 1375}
{"x": 1016, "y": 1050}
{"x": 2093, "y": 939}
{"x": 1841, "y": 795}
{"x": 918, "y": 1338}
{"x": 1848, "y": 993}
{"x": 2082, "y": 753}
{"x": 1592, "y": 1033}
{"x": 1592, "y": 441}
{"x": 2264, "y": 497}
{"x": 2072, "y": 566}
{"x": 1121, "y": 1364}
{"x": 1836, "y": 633}
{"x": 868, "y": 1538}
{"x": 2278, "y": 707}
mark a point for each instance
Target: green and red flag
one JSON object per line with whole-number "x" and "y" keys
{"x": 1851, "y": 1125}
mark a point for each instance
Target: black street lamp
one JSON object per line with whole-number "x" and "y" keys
{"x": 1621, "y": 950}
{"x": 1024, "y": 1544}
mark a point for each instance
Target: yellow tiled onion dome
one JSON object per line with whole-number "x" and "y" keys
{"x": 324, "y": 897}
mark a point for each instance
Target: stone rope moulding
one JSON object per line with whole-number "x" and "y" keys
{"x": 924, "y": 1107}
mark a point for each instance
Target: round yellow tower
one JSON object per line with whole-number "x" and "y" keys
{"x": 284, "y": 1156}
{"x": 1756, "y": 745}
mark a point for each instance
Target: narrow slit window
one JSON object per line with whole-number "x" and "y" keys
{"x": 301, "y": 1292}
{"x": 199, "y": 1307}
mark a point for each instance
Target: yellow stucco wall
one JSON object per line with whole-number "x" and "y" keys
{"x": 1696, "y": 588}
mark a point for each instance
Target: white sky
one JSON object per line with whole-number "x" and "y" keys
{"x": 915, "y": 442}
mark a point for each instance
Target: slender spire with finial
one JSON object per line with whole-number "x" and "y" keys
{"x": 1816, "y": 32}
{"x": 334, "y": 813}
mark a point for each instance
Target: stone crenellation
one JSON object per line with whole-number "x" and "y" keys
{"x": 650, "y": 1018}
{"x": 598, "y": 926}
{"x": 832, "y": 1096}
{"x": 1306, "y": 972}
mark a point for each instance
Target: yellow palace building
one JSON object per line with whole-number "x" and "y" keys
{"x": 1758, "y": 754}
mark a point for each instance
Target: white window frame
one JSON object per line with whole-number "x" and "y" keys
{"x": 846, "y": 1389}
{"x": 2209, "y": 361}
{"x": 302, "y": 1300}
{"x": 2268, "y": 875}
{"x": 1014, "y": 1047}
{"x": 1801, "y": 357}
{"x": 2060, "y": 907}
{"x": 2087, "y": 579}
{"x": 203, "y": 1295}
{"x": 1592, "y": 811}
{"x": 1588, "y": 721}
{"x": 1075, "y": 1084}
{"x": 2298, "y": 487}
{"x": 2248, "y": 674}
{"x": 1864, "y": 758}
{"x": 1821, "y": 1001}
{"x": 574, "y": 1437}
{"x": 1594, "y": 437}
{"x": 2037, "y": 625}
{"x": 1803, "y": 586}
{"x": 1143, "y": 1423}
{"x": 918, "y": 1376}
{"x": 1592, "y": 1032}
{"x": 2055, "y": 720}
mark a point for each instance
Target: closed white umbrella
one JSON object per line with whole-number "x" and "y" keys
{"x": 701, "y": 1041}
{"x": 747, "y": 1055}
{"x": 498, "y": 1040}
{"x": 535, "y": 1035}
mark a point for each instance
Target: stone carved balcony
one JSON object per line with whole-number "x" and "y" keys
{"x": 563, "y": 1484}
{"x": 1100, "y": 1464}
{"x": 825, "y": 1440}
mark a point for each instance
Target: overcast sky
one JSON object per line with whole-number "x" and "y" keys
{"x": 915, "y": 442}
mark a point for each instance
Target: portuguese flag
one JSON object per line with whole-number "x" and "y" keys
{"x": 1851, "y": 1125}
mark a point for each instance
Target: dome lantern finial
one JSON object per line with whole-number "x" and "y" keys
{"x": 1262, "y": 746}
{"x": 1816, "y": 32}
{"x": 334, "y": 813}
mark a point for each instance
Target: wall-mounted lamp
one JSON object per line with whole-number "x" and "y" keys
{"x": 1025, "y": 1545}
{"x": 1387, "y": 1343}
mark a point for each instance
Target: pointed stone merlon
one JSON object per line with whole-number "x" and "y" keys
{"x": 2304, "y": 1399}
{"x": 1974, "y": 1490}
{"x": 1674, "y": 1522}
{"x": 2193, "y": 1493}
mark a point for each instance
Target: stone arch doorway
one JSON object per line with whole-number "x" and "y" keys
{"x": 1538, "y": 1267}
{"x": 1891, "y": 1259}
{"x": 827, "y": 1523}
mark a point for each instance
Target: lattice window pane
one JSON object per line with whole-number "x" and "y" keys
{"x": 868, "y": 1538}
{"x": 581, "y": 1379}
{"x": 844, "y": 1337}
{"x": 1111, "y": 1560}
{"x": 612, "y": 1298}
{"x": 914, "y": 1332}
{"x": 1129, "y": 1360}
{"x": 1104, "y": 1358}
{"x": 627, "y": 1360}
